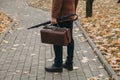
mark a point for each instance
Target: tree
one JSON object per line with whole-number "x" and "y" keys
{"x": 89, "y": 4}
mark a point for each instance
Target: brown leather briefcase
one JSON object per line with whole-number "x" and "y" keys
{"x": 56, "y": 36}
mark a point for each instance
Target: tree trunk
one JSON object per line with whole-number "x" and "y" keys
{"x": 89, "y": 4}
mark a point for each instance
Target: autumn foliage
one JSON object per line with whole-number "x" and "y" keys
{"x": 104, "y": 29}
{"x": 4, "y": 22}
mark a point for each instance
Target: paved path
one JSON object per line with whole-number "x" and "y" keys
{"x": 24, "y": 57}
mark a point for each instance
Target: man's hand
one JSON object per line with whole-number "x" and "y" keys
{"x": 53, "y": 21}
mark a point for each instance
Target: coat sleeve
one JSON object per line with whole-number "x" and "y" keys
{"x": 56, "y": 8}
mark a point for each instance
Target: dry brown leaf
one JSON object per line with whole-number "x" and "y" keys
{"x": 4, "y": 22}
{"x": 93, "y": 78}
{"x": 84, "y": 60}
{"x": 17, "y": 71}
{"x": 55, "y": 73}
{"x": 101, "y": 75}
{"x": 4, "y": 41}
{"x": 3, "y": 50}
{"x": 101, "y": 67}
{"x": 13, "y": 48}
{"x": 33, "y": 55}
{"x": 116, "y": 69}
{"x": 15, "y": 45}
{"x": 75, "y": 68}
{"x": 50, "y": 59}
{"x": 26, "y": 72}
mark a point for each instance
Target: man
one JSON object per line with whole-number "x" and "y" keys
{"x": 62, "y": 8}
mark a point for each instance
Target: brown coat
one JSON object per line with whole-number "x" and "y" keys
{"x": 69, "y": 7}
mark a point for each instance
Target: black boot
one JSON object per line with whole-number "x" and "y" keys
{"x": 53, "y": 68}
{"x": 68, "y": 67}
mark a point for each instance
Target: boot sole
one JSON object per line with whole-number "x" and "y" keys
{"x": 58, "y": 70}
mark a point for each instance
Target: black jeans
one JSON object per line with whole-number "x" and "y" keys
{"x": 59, "y": 49}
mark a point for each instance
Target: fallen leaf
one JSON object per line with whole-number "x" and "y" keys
{"x": 101, "y": 75}
{"x": 75, "y": 68}
{"x": 55, "y": 73}
{"x": 26, "y": 72}
{"x": 94, "y": 59}
{"x": 50, "y": 59}
{"x": 3, "y": 50}
{"x": 101, "y": 67}
{"x": 4, "y": 41}
{"x": 15, "y": 45}
{"x": 13, "y": 48}
{"x": 84, "y": 60}
{"x": 93, "y": 78}
{"x": 33, "y": 55}
{"x": 17, "y": 71}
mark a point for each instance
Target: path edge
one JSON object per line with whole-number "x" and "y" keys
{"x": 10, "y": 27}
{"x": 108, "y": 68}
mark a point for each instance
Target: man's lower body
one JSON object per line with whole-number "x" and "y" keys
{"x": 58, "y": 50}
